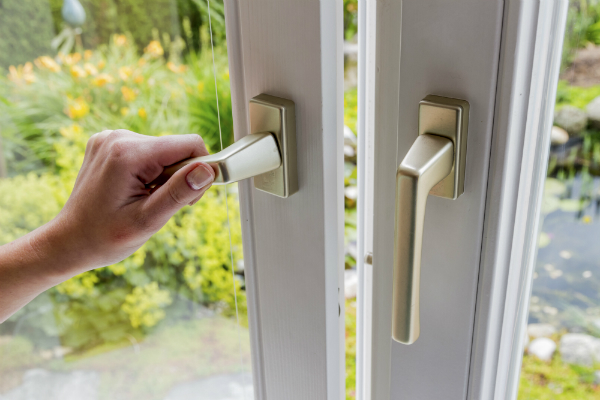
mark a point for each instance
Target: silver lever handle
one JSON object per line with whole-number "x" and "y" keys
{"x": 435, "y": 164}
{"x": 252, "y": 155}
{"x": 268, "y": 154}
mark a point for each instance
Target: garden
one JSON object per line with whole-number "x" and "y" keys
{"x": 165, "y": 317}
{"x": 176, "y": 289}
{"x": 560, "y": 360}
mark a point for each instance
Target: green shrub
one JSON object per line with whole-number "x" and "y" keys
{"x": 112, "y": 87}
{"x": 576, "y": 96}
{"x": 145, "y": 20}
{"x": 25, "y": 31}
{"x": 48, "y": 113}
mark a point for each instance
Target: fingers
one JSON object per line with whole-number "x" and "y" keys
{"x": 168, "y": 150}
{"x": 184, "y": 187}
{"x": 144, "y": 156}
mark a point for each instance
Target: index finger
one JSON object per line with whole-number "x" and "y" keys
{"x": 160, "y": 152}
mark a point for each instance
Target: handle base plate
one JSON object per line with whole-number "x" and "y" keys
{"x": 276, "y": 115}
{"x": 447, "y": 117}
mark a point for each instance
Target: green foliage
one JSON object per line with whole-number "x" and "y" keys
{"x": 15, "y": 352}
{"x": 144, "y": 20}
{"x": 350, "y": 19}
{"x": 20, "y": 195}
{"x": 576, "y": 96}
{"x": 351, "y": 108}
{"x": 350, "y": 316}
{"x": 555, "y": 380}
{"x": 25, "y": 31}
{"x": 110, "y": 88}
{"x": 49, "y": 113}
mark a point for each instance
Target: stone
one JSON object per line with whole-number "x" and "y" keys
{"x": 351, "y": 192}
{"x": 593, "y": 113}
{"x": 349, "y": 151}
{"x": 572, "y": 119}
{"x": 43, "y": 384}
{"x": 579, "y": 348}
{"x": 218, "y": 387}
{"x": 558, "y": 136}
{"x": 349, "y": 137}
{"x": 350, "y": 283}
{"x": 540, "y": 330}
{"x": 542, "y": 347}
{"x": 350, "y": 143}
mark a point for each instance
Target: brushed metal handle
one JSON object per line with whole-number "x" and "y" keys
{"x": 252, "y": 155}
{"x": 428, "y": 161}
{"x": 268, "y": 153}
{"x": 435, "y": 164}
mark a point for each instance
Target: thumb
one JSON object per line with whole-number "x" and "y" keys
{"x": 185, "y": 186}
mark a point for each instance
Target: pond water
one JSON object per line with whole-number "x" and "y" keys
{"x": 566, "y": 286}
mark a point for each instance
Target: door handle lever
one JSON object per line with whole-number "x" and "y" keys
{"x": 268, "y": 154}
{"x": 252, "y": 155}
{"x": 435, "y": 164}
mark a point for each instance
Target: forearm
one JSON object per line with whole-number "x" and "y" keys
{"x": 34, "y": 263}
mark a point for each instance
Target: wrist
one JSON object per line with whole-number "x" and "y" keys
{"x": 60, "y": 249}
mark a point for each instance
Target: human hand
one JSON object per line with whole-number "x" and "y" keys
{"x": 111, "y": 212}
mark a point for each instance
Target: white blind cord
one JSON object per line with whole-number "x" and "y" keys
{"x": 237, "y": 315}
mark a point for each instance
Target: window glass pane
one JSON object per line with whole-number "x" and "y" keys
{"x": 350, "y": 188}
{"x": 161, "y": 324}
{"x": 561, "y": 357}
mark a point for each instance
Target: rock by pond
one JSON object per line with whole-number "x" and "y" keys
{"x": 558, "y": 136}
{"x": 578, "y": 348}
{"x": 593, "y": 113}
{"x": 543, "y": 348}
{"x": 572, "y": 119}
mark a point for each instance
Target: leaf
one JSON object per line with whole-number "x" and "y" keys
{"x": 572, "y": 205}
{"x": 554, "y": 187}
{"x": 543, "y": 240}
{"x": 550, "y": 204}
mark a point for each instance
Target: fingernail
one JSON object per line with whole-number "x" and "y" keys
{"x": 199, "y": 177}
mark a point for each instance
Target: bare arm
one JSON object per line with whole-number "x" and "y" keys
{"x": 109, "y": 215}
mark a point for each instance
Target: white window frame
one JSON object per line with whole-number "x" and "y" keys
{"x": 293, "y": 248}
{"x": 532, "y": 32}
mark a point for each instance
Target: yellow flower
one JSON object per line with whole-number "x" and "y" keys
{"x": 120, "y": 40}
{"x": 124, "y": 111}
{"x": 102, "y": 80}
{"x": 47, "y": 62}
{"x": 200, "y": 86}
{"x": 78, "y": 72}
{"x": 78, "y": 108}
{"x": 142, "y": 113}
{"x": 181, "y": 81}
{"x": 138, "y": 79}
{"x": 587, "y": 219}
{"x": 128, "y": 94}
{"x": 154, "y": 49}
{"x": 87, "y": 55}
{"x": 90, "y": 69}
{"x": 125, "y": 72}
{"x": 71, "y": 132}
{"x": 21, "y": 73}
{"x": 142, "y": 62}
{"x": 101, "y": 64}
{"x": 175, "y": 68}
{"x": 71, "y": 59}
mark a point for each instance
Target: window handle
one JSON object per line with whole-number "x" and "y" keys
{"x": 252, "y": 155}
{"x": 268, "y": 154}
{"x": 435, "y": 164}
